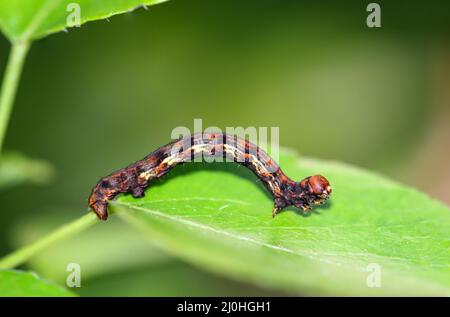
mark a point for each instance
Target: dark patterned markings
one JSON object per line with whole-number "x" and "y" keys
{"x": 312, "y": 190}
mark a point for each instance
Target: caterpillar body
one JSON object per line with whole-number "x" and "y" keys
{"x": 310, "y": 191}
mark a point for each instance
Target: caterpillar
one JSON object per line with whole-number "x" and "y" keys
{"x": 312, "y": 190}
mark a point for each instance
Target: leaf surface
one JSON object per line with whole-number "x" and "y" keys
{"x": 32, "y": 19}
{"x": 20, "y": 283}
{"x": 375, "y": 237}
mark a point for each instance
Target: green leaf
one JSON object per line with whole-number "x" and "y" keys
{"x": 16, "y": 169}
{"x": 217, "y": 217}
{"x": 20, "y": 283}
{"x": 28, "y": 20}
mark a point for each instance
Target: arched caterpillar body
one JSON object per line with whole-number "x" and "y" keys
{"x": 135, "y": 178}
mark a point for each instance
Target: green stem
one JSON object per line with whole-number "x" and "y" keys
{"x": 23, "y": 254}
{"x": 10, "y": 82}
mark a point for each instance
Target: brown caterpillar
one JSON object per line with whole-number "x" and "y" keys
{"x": 312, "y": 190}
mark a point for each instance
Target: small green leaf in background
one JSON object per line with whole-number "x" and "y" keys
{"x": 19, "y": 283}
{"x": 16, "y": 169}
{"x": 32, "y": 19}
{"x": 217, "y": 217}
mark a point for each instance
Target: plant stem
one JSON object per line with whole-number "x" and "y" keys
{"x": 10, "y": 82}
{"x": 23, "y": 254}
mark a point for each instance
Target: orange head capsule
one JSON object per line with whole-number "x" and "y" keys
{"x": 311, "y": 191}
{"x": 315, "y": 190}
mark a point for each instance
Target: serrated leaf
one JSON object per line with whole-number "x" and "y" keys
{"x": 28, "y": 20}
{"x": 217, "y": 217}
{"x": 16, "y": 169}
{"x": 21, "y": 283}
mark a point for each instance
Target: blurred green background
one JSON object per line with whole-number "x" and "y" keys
{"x": 99, "y": 97}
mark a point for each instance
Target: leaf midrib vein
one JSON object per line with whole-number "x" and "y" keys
{"x": 40, "y": 16}
{"x": 231, "y": 235}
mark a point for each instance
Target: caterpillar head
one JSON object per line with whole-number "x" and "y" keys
{"x": 311, "y": 191}
{"x": 314, "y": 190}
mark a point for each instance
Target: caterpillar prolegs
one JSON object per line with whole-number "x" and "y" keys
{"x": 310, "y": 191}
